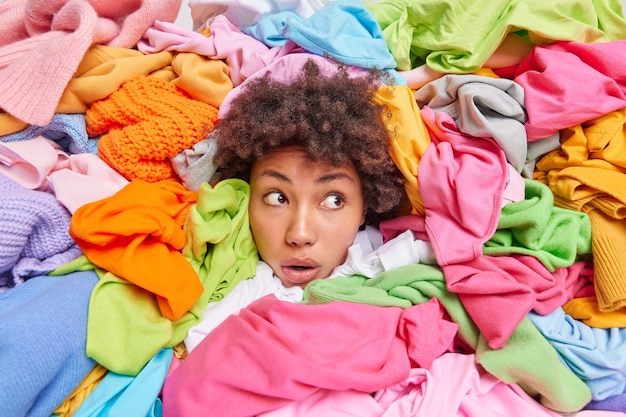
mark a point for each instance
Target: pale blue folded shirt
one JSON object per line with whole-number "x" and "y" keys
{"x": 344, "y": 30}
{"x": 597, "y": 356}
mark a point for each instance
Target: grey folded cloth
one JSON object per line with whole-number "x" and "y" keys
{"x": 482, "y": 106}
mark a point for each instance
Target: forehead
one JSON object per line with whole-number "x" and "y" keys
{"x": 293, "y": 162}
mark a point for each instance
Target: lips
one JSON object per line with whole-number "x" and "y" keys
{"x": 300, "y": 270}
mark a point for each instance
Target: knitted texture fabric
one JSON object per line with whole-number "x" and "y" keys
{"x": 608, "y": 239}
{"x": 33, "y": 224}
{"x": 146, "y": 122}
{"x": 43, "y": 42}
{"x": 67, "y": 130}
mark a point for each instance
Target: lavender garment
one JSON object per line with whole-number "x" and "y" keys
{"x": 34, "y": 236}
{"x": 613, "y": 403}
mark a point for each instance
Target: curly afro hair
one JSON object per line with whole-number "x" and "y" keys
{"x": 334, "y": 117}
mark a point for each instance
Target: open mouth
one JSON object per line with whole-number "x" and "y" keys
{"x": 300, "y": 267}
{"x": 300, "y": 274}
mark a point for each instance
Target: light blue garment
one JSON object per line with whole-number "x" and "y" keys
{"x": 344, "y": 29}
{"x": 597, "y": 356}
{"x": 123, "y": 395}
{"x": 69, "y": 131}
{"x": 269, "y": 29}
{"x": 43, "y": 332}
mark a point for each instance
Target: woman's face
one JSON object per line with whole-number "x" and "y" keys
{"x": 304, "y": 215}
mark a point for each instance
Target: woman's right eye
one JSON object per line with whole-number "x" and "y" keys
{"x": 275, "y": 198}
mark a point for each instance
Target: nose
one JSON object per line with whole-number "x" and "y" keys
{"x": 301, "y": 229}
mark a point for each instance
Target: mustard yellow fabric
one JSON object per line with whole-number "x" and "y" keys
{"x": 588, "y": 174}
{"x": 409, "y": 138}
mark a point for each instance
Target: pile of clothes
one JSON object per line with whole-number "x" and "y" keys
{"x": 515, "y": 176}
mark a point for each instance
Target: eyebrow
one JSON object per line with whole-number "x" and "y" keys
{"x": 321, "y": 180}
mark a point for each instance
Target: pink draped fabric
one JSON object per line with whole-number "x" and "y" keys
{"x": 277, "y": 352}
{"x": 462, "y": 181}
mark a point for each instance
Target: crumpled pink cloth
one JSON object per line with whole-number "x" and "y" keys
{"x": 456, "y": 386}
{"x": 243, "y": 54}
{"x": 462, "y": 180}
{"x": 75, "y": 180}
{"x": 42, "y": 42}
{"x": 517, "y": 284}
{"x": 568, "y": 83}
{"x": 453, "y": 386}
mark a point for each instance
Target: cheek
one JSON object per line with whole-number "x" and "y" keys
{"x": 339, "y": 236}
{"x": 263, "y": 233}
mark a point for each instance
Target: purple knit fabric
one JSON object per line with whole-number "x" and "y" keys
{"x": 34, "y": 237}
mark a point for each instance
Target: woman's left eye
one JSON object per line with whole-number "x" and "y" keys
{"x": 333, "y": 201}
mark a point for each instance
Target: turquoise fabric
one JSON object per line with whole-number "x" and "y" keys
{"x": 123, "y": 395}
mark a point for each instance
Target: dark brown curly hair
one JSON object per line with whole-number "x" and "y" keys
{"x": 333, "y": 117}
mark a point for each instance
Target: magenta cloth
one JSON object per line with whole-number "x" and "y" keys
{"x": 490, "y": 285}
{"x": 42, "y": 43}
{"x": 568, "y": 83}
{"x": 461, "y": 180}
{"x": 326, "y": 403}
{"x": 277, "y": 352}
{"x": 390, "y": 228}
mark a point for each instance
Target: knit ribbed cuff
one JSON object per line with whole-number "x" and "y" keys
{"x": 608, "y": 242}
